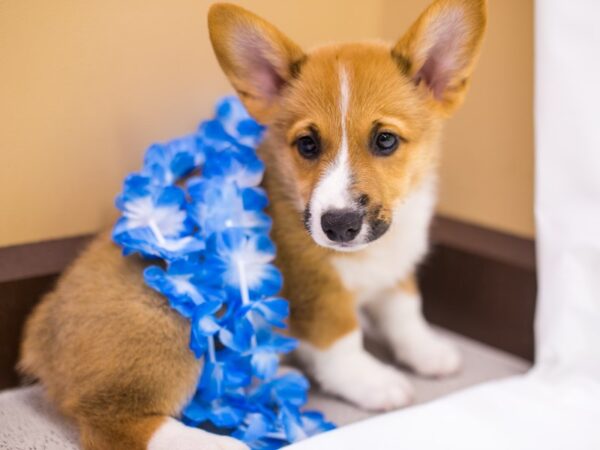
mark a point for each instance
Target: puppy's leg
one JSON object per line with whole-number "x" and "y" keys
{"x": 398, "y": 315}
{"x": 346, "y": 369}
{"x": 151, "y": 433}
{"x": 332, "y": 350}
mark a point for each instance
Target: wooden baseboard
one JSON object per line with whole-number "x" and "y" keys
{"x": 476, "y": 281}
{"x": 490, "y": 244}
{"x": 17, "y": 299}
{"x": 481, "y": 283}
{"x": 38, "y": 259}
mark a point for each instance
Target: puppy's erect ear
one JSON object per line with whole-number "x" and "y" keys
{"x": 257, "y": 58}
{"x": 440, "y": 49}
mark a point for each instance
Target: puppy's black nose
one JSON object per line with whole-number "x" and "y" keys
{"x": 341, "y": 225}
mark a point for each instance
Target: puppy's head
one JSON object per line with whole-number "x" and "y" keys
{"x": 354, "y": 127}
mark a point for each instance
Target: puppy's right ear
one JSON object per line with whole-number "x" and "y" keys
{"x": 440, "y": 49}
{"x": 257, "y": 58}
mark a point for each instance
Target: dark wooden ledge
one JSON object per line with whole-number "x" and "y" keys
{"x": 37, "y": 259}
{"x": 504, "y": 247}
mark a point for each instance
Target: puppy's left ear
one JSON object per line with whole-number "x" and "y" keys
{"x": 258, "y": 59}
{"x": 440, "y": 50}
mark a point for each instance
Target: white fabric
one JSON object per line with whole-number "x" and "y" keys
{"x": 517, "y": 414}
{"x": 29, "y": 422}
{"x": 557, "y": 405}
{"x": 568, "y": 185}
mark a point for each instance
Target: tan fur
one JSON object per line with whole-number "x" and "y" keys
{"x": 123, "y": 434}
{"x": 113, "y": 355}
{"x": 409, "y": 285}
{"x": 109, "y": 350}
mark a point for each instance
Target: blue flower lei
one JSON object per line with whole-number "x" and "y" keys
{"x": 213, "y": 237}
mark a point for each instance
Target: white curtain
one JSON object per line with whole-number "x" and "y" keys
{"x": 568, "y": 185}
{"x": 557, "y": 405}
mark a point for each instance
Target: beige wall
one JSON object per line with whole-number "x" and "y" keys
{"x": 85, "y": 87}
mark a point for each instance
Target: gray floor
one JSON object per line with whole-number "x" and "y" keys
{"x": 29, "y": 422}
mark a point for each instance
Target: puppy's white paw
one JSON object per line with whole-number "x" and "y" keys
{"x": 429, "y": 354}
{"x": 349, "y": 371}
{"x": 173, "y": 435}
{"x": 374, "y": 386}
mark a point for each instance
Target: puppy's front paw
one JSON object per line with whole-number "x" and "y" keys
{"x": 430, "y": 355}
{"x": 375, "y": 386}
{"x": 349, "y": 371}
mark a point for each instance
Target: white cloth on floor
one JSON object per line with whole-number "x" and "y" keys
{"x": 29, "y": 422}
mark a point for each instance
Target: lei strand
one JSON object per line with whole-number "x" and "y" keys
{"x": 197, "y": 206}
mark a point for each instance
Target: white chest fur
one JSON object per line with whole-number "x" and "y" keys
{"x": 394, "y": 256}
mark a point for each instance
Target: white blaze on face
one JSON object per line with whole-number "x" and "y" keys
{"x": 333, "y": 189}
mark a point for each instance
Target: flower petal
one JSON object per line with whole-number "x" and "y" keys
{"x": 265, "y": 363}
{"x": 238, "y": 336}
{"x": 273, "y": 310}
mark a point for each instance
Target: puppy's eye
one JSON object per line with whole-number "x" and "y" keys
{"x": 308, "y": 147}
{"x": 385, "y": 143}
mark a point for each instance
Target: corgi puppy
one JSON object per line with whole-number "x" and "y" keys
{"x": 351, "y": 150}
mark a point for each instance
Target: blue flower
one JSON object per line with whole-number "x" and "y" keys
{"x": 284, "y": 395}
{"x": 241, "y": 330}
{"x": 221, "y": 412}
{"x": 244, "y": 262}
{"x": 288, "y": 389}
{"x": 267, "y": 311}
{"x": 299, "y": 426}
{"x": 241, "y": 167}
{"x": 237, "y": 334}
{"x": 214, "y": 138}
{"x": 261, "y": 432}
{"x": 204, "y": 327}
{"x": 265, "y": 354}
{"x": 255, "y": 426}
{"x": 254, "y": 199}
{"x": 168, "y": 162}
{"x": 232, "y": 128}
{"x": 185, "y": 283}
{"x": 217, "y": 271}
{"x": 162, "y": 209}
{"x": 221, "y": 376}
{"x": 154, "y": 220}
{"x": 237, "y": 123}
{"x": 144, "y": 241}
{"x": 218, "y": 205}
{"x": 265, "y": 362}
